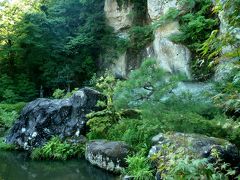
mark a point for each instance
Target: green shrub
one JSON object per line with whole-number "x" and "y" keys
{"x": 101, "y": 121}
{"x": 196, "y": 27}
{"x": 59, "y": 93}
{"x": 175, "y": 163}
{"x": 139, "y": 167}
{"x": 56, "y": 149}
{"x": 129, "y": 131}
{"x": 6, "y": 147}
{"x": 140, "y": 37}
{"x": 9, "y": 113}
{"x": 7, "y": 118}
{"x": 216, "y": 43}
{"x": 15, "y": 90}
{"x": 169, "y": 16}
{"x": 179, "y": 113}
{"x": 197, "y": 22}
{"x": 228, "y": 93}
{"x": 158, "y": 118}
{"x": 13, "y": 107}
{"x": 146, "y": 84}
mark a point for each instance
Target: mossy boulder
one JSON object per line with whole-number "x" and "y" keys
{"x": 194, "y": 145}
{"x": 108, "y": 155}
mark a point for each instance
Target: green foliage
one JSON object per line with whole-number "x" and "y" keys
{"x": 182, "y": 113}
{"x": 34, "y": 54}
{"x": 101, "y": 121}
{"x": 5, "y": 147}
{"x": 196, "y": 27}
{"x": 13, "y": 107}
{"x": 7, "y": 118}
{"x": 144, "y": 84}
{"x": 178, "y": 164}
{"x": 139, "y": 167}
{"x": 228, "y": 97}
{"x": 170, "y": 16}
{"x": 9, "y": 113}
{"x": 58, "y": 94}
{"x": 140, "y": 37}
{"x": 15, "y": 90}
{"x": 216, "y": 43}
{"x": 56, "y": 149}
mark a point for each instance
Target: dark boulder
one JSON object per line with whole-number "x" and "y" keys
{"x": 44, "y": 118}
{"x": 108, "y": 155}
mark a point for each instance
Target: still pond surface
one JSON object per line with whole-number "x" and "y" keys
{"x": 17, "y": 166}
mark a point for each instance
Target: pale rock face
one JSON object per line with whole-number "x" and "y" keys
{"x": 119, "y": 68}
{"x": 118, "y": 17}
{"x": 171, "y": 57}
{"x": 224, "y": 28}
{"x": 126, "y": 62}
{"x": 156, "y": 8}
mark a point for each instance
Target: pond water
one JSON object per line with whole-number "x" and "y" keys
{"x": 17, "y": 166}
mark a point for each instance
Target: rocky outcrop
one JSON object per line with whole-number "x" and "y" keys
{"x": 44, "y": 118}
{"x": 118, "y": 17}
{"x": 196, "y": 145}
{"x": 171, "y": 57}
{"x": 119, "y": 68}
{"x": 226, "y": 65}
{"x": 108, "y": 155}
{"x": 156, "y": 8}
{"x": 129, "y": 61}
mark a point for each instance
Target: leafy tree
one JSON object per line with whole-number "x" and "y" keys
{"x": 54, "y": 44}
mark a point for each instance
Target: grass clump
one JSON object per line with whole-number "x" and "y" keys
{"x": 6, "y": 147}
{"x": 56, "y": 149}
{"x": 139, "y": 167}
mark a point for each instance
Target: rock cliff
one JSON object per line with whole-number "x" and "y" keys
{"x": 173, "y": 58}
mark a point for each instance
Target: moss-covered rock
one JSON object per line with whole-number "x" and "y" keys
{"x": 194, "y": 145}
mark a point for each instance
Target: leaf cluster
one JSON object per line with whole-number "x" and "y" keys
{"x": 56, "y": 149}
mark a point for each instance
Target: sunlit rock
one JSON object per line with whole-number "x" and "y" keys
{"x": 173, "y": 58}
{"x": 118, "y": 17}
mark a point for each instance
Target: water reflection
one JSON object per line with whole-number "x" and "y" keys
{"x": 16, "y": 166}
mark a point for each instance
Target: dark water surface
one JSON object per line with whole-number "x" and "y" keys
{"x": 17, "y": 166}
